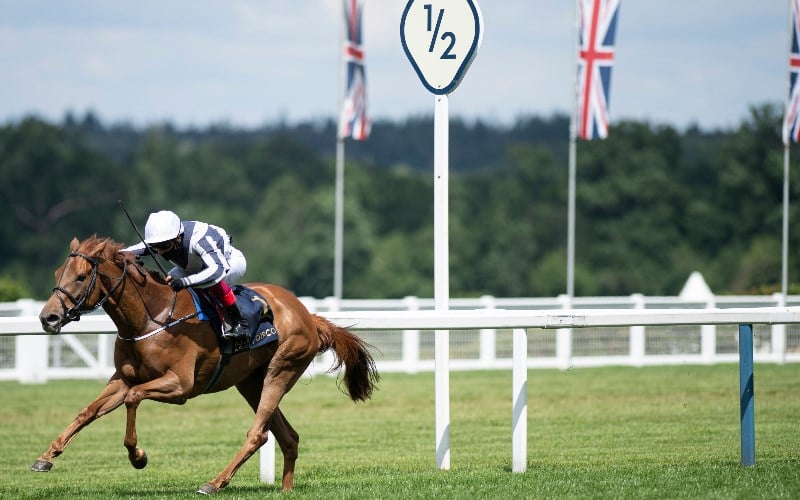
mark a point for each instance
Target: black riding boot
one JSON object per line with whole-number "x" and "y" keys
{"x": 239, "y": 327}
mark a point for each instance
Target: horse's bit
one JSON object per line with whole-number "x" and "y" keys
{"x": 74, "y": 313}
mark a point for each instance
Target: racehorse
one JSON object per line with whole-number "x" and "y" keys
{"x": 171, "y": 360}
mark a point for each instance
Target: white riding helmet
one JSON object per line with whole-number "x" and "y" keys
{"x": 162, "y": 226}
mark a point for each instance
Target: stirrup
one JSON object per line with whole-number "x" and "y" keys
{"x": 236, "y": 332}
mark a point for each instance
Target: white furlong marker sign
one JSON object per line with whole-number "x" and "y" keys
{"x": 441, "y": 39}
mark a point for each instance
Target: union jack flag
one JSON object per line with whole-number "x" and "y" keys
{"x": 598, "y": 23}
{"x": 791, "y": 122}
{"x": 354, "y": 121}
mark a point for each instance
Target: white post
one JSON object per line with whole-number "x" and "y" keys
{"x": 488, "y": 336}
{"x": 519, "y": 414}
{"x": 778, "y": 334}
{"x": 637, "y": 334}
{"x": 441, "y": 74}
{"x": 411, "y": 340}
{"x": 32, "y": 351}
{"x": 441, "y": 139}
{"x": 564, "y": 337}
{"x": 266, "y": 455}
{"x": 708, "y": 337}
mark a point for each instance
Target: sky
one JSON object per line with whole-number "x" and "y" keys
{"x": 249, "y": 63}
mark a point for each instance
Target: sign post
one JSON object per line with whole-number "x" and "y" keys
{"x": 441, "y": 38}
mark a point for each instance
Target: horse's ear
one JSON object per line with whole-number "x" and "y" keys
{"x": 74, "y": 244}
{"x": 100, "y": 247}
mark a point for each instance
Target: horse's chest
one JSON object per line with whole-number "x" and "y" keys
{"x": 141, "y": 367}
{"x": 139, "y": 372}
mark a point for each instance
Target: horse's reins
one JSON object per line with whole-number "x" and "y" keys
{"x": 74, "y": 313}
{"x": 160, "y": 329}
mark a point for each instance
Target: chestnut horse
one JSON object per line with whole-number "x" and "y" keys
{"x": 164, "y": 353}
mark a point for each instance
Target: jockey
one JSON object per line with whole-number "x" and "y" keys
{"x": 204, "y": 258}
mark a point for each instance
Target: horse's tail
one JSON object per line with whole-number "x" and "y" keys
{"x": 360, "y": 374}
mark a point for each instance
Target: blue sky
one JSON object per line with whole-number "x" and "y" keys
{"x": 246, "y": 63}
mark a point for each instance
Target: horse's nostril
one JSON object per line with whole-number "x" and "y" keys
{"x": 51, "y": 323}
{"x": 51, "y": 319}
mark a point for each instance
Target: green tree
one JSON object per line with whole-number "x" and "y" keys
{"x": 391, "y": 210}
{"x": 53, "y": 189}
{"x": 503, "y": 224}
{"x": 628, "y": 211}
{"x": 653, "y": 203}
{"x": 289, "y": 240}
{"x": 746, "y": 194}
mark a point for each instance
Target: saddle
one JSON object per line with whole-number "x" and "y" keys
{"x": 254, "y": 308}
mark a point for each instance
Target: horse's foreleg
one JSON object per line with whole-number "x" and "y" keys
{"x": 167, "y": 389}
{"x": 281, "y": 376}
{"x": 136, "y": 455}
{"x": 109, "y": 399}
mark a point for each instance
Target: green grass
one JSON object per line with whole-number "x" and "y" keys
{"x": 662, "y": 432}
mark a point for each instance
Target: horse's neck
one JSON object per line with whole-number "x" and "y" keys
{"x": 138, "y": 303}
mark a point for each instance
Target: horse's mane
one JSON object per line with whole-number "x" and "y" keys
{"x": 108, "y": 249}
{"x": 101, "y": 247}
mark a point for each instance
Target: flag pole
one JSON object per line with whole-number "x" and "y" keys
{"x": 339, "y": 222}
{"x": 786, "y": 142}
{"x": 338, "y": 231}
{"x": 571, "y": 213}
{"x": 785, "y": 230}
{"x": 572, "y": 167}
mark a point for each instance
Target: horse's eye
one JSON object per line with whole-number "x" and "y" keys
{"x": 80, "y": 278}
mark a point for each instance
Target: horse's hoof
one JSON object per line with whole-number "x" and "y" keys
{"x": 139, "y": 462}
{"x": 208, "y": 489}
{"x": 41, "y": 466}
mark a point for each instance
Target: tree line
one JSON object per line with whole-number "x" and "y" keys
{"x": 653, "y": 203}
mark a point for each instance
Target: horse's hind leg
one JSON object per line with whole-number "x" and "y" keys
{"x": 284, "y": 433}
{"x": 109, "y": 399}
{"x": 288, "y": 439}
{"x": 283, "y": 372}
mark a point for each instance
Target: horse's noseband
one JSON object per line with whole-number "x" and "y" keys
{"x": 78, "y": 305}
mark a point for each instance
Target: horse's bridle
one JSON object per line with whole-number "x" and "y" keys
{"x": 79, "y": 305}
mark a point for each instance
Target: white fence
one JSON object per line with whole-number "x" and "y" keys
{"x": 703, "y": 332}
{"x": 82, "y": 351}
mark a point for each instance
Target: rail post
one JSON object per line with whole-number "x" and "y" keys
{"x": 708, "y": 337}
{"x": 564, "y": 337}
{"x": 778, "y": 333}
{"x": 266, "y": 460}
{"x": 31, "y": 351}
{"x": 519, "y": 413}
{"x": 411, "y": 339}
{"x": 746, "y": 395}
{"x": 488, "y": 336}
{"x": 637, "y": 345}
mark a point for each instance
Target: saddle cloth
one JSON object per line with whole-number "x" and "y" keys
{"x": 254, "y": 308}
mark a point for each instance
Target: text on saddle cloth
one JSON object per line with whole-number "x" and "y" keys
{"x": 254, "y": 308}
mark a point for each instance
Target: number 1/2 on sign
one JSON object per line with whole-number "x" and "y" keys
{"x": 440, "y": 38}
{"x": 448, "y": 35}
